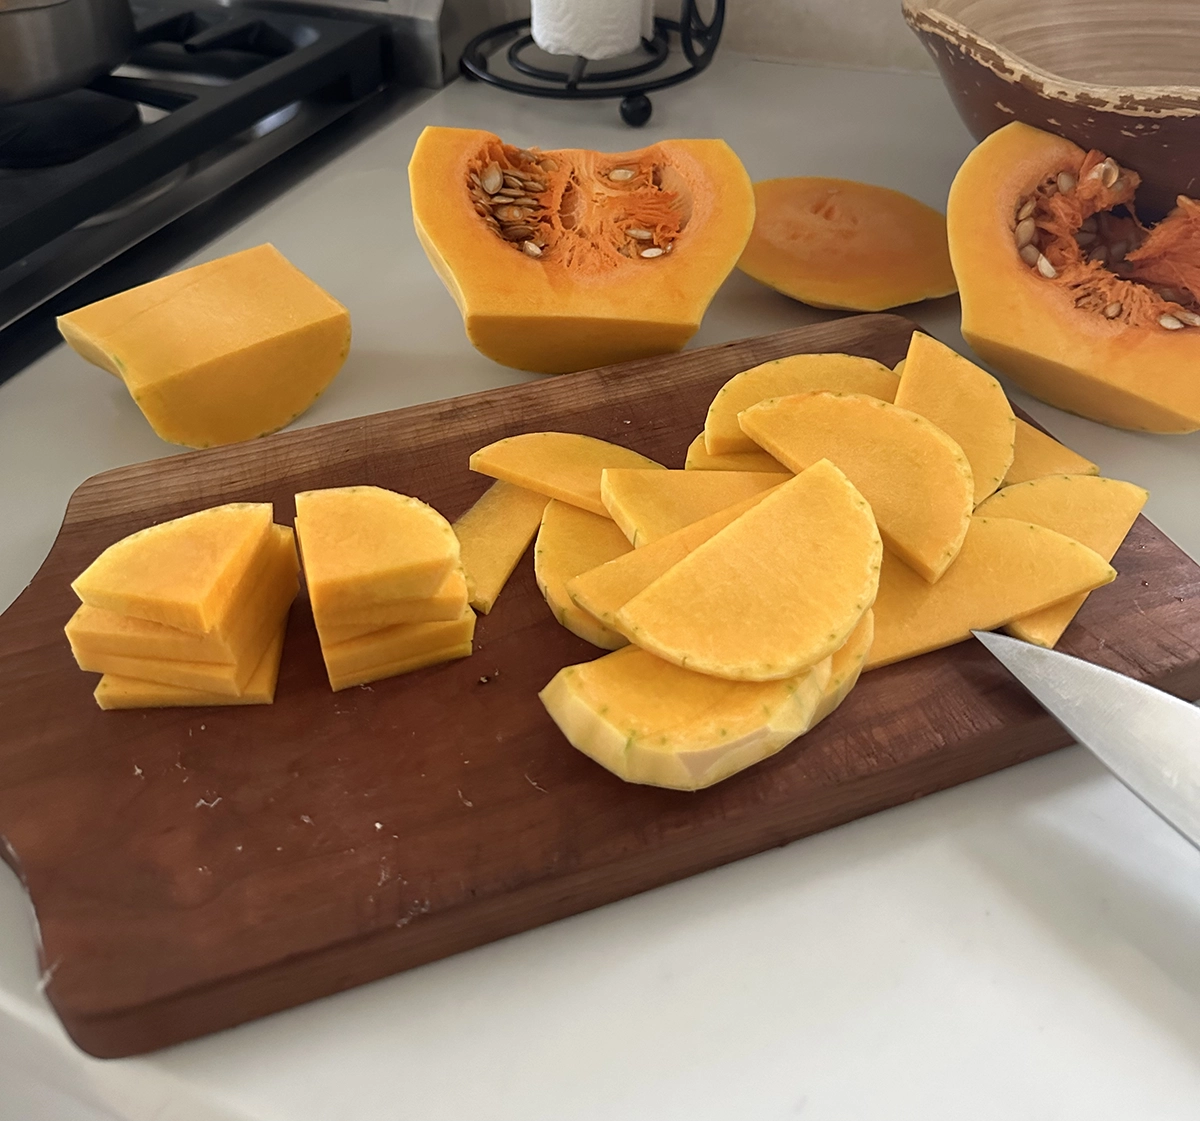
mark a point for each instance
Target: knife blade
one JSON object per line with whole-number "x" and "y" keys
{"x": 1148, "y": 739}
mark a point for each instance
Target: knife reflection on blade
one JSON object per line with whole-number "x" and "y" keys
{"x": 1149, "y": 739}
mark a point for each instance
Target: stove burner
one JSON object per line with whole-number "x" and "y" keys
{"x": 58, "y": 130}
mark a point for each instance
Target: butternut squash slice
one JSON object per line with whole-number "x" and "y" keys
{"x": 1006, "y": 569}
{"x": 845, "y": 668}
{"x": 1035, "y": 454}
{"x": 651, "y": 722}
{"x": 393, "y": 650}
{"x": 185, "y": 573}
{"x": 571, "y": 541}
{"x": 448, "y": 602}
{"x": 648, "y": 505}
{"x": 366, "y": 547}
{"x": 1094, "y": 511}
{"x": 562, "y": 465}
{"x": 773, "y": 593}
{"x": 800, "y": 373}
{"x": 1066, "y": 292}
{"x": 225, "y": 351}
{"x": 915, "y": 477}
{"x": 604, "y": 590}
{"x": 94, "y": 632}
{"x": 965, "y": 402}
{"x": 835, "y": 243}
{"x": 493, "y": 536}
{"x": 115, "y": 692}
{"x": 340, "y": 678}
{"x": 699, "y": 459}
{"x": 565, "y": 260}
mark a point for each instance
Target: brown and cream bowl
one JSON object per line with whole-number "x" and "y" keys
{"x": 1121, "y": 76}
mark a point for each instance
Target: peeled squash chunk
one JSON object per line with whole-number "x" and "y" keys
{"x": 1067, "y": 293}
{"x": 774, "y": 592}
{"x": 409, "y": 645}
{"x": 1035, "y": 455}
{"x": 493, "y": 536}
{"x": 95, "y": 633}
{"x": 366, "y": 547}
{"x": 800, "y": 373}
{"x": 562, "y": 465}
{"x": 344, "y": 678}
{"x": 448, "y": 602}
{"x": 835, "y": 243}
{"x": 1095, "y": 512}
{"x": 225, "y": 351}
{"x": 114, "y": 692}
{"x": 651, "y": 722}
{"x": 699, "y": 459}
{"x": 965, "y": 402}
{"x": 185, "y": 573}
{"x": 601, "y": 258}
{"x": 1006, "y": 569}
{"x": 648, "y": 505}
{"x": 604, "y": 590}
{"x": 845, "y": 667}
{"x": 915, "y": 477}
{"x": 569, "y": 542}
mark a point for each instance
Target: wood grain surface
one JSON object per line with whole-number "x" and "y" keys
{"x": 195, "y": 868}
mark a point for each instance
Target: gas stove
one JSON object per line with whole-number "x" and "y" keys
{"x": 210, "y": 95}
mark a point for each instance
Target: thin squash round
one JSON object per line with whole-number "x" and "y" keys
{"x": 835, "y": 243}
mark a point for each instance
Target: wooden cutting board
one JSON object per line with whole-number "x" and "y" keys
{"x": 195, "y": 868}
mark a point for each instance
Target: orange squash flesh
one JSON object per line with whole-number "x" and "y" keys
{"x": 835, "y": 243}
{"x": 599, "y": 258}
{"x": 1109, "y": 326}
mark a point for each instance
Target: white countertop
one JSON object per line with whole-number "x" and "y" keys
{"x": 1026, "y": 946}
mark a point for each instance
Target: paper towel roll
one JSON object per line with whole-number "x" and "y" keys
{"x": 591, "y": 28}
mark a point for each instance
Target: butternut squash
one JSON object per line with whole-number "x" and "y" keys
{"x": 699, "y": 459}
{"x": 1036, "y": 454}
{"x": 596, "y": 258}
{"x": 562, "y": 465}
{"x": 648, "y": 505}
{"x": 773, "y": 593}
{"x": 1005, "y": 570}
{"x": 571, "y": 541}
{"x": 800, "y": 373}
{"x": 915, "y": 477}
{"x": 966, "y": 403}
{"x": 493, "y": 536}
{"x": 1094, "y": 511}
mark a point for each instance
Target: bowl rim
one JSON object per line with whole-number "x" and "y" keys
{"x": 1131, "y": 101}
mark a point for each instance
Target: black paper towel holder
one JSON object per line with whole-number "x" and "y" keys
{"x": 697, "y": 40}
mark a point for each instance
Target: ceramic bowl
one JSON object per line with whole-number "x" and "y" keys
{"x": 1122, "y": 76}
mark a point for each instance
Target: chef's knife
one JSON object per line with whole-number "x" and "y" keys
{"x": 1147, "y": 738}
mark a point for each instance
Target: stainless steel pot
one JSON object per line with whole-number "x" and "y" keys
{"x": 51, "y": 46}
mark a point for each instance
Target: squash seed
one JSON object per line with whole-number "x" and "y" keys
{"x": 1045, "y": 267}
{"x": 620, "y": 174}
{"x": 530, "y": 249}
{"x": 492, "y": 178}
{"x": 1170, "y": 322}
{"x": 1030, "y": 255}
{"x": 1117, "y": 250}
{"x": 653, "y": 251}
{"x": 548, "y": 166}
{"x": 1088, "y": 225}
{"x": 641, "y": 235}
{"x": 1083, "y": 239}
{"x": 1026, "y": 210}
{"x": 1112, "y": 310}
{"x": 1099, "y": 254}
{"x": 1066, "y": 182}
{"x": 1189, "y": 317}
{"x": 1170, "y": 295}
{"x": 1025, "y": 232}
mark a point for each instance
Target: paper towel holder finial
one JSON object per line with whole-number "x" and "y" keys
{"x": 697, "y": 40}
